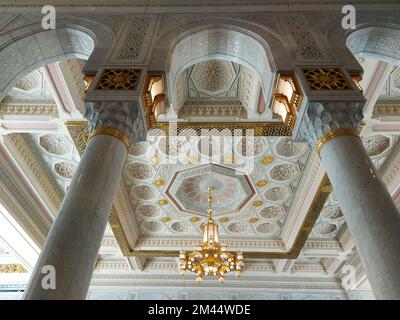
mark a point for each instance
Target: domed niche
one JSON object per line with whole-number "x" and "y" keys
{"x": 238, "y": 227}
{"x": 250, "y": 147}
{"x": 272, "y": 212}
{"x": 55, "y": 144}
{"x": 65, "y": 169}
{"x": 139, "y": 171}
{"x": 149, "y": 210}
{"x": 153, "y": 226}
{"x": 376, "y": 144}
{"x": 277, "y": 194}
{"x": 267, "y": 227}
{"x": 181, "y": 226}
{"x": 288, "y": 148}
{"x": 325, "y": 229}
{"x": 139, "y": 149}
{"x": 144, "y": 192}
{"x": 332, "y": 213}
{"x": 284, "y": 171}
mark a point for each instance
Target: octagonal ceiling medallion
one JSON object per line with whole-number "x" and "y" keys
{"x": 213, "y": 76}
{"x": 188, "y": 189}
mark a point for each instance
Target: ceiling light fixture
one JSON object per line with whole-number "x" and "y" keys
{"x": 211, "y": 258}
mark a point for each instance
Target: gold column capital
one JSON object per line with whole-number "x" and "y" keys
{"x": 333, "y": 134}
{"x": 111, "y": 132}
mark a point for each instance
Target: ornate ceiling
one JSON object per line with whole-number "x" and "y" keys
{"x": 163, "y": 191}
{"x": 188, "y": 189}
{"x": 170, "y": 199}
{"x": 217, "y": 88}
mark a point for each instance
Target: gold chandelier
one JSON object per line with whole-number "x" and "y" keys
{"x": 211, "y": 258}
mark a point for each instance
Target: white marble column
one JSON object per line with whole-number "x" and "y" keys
{"x": 76, "y": 234}
{"x": 372, "y": 218}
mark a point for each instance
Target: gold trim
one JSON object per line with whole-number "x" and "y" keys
{"x": 333, "y": 134}
{"x": 111, "y": 132}
{"x": 12, "y": 268}
{"x": 267, "y": 160}
{"x": 262, "y": 183}
{"x": 257, "y": 203}
{"x": 357, "y": 78}
{"x": 269, "y": 128}
{"x": 159, "y": 182}
{"x": 88, "y": 79}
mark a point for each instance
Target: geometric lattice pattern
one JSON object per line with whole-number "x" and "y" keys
{"x": 118, "y": 79}
{"x": 326, "y": 79}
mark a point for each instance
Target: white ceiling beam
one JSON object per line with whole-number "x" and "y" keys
{"x": 65, "y": 91}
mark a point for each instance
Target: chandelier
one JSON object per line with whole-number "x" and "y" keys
{"x": 211, "y": 258}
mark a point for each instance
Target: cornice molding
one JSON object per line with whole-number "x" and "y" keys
{"x": 21, "y": 108}
{"x": 246, "y": 283}
{"x": 163, "y": 5}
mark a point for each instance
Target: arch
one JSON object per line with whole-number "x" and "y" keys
{"x": 31, "y": 47}
{"x": 225, "y": 43}
{"x": 380, "y": 42}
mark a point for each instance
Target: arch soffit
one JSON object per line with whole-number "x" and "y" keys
{"x": 30, "y": 47}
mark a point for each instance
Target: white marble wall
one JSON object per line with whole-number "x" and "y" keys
{"x": 177, "y": 294}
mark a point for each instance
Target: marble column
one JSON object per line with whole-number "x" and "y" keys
{"x": 370, "y": 213}
{"x": 76, "y": 234}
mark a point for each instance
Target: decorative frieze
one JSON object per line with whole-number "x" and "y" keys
{"x": 386, "y": 108}
{"x": 31, "y": 109}
{"x": 308, "y": 47}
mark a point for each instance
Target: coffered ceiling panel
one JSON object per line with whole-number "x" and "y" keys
{"x": 168, "y": 189}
